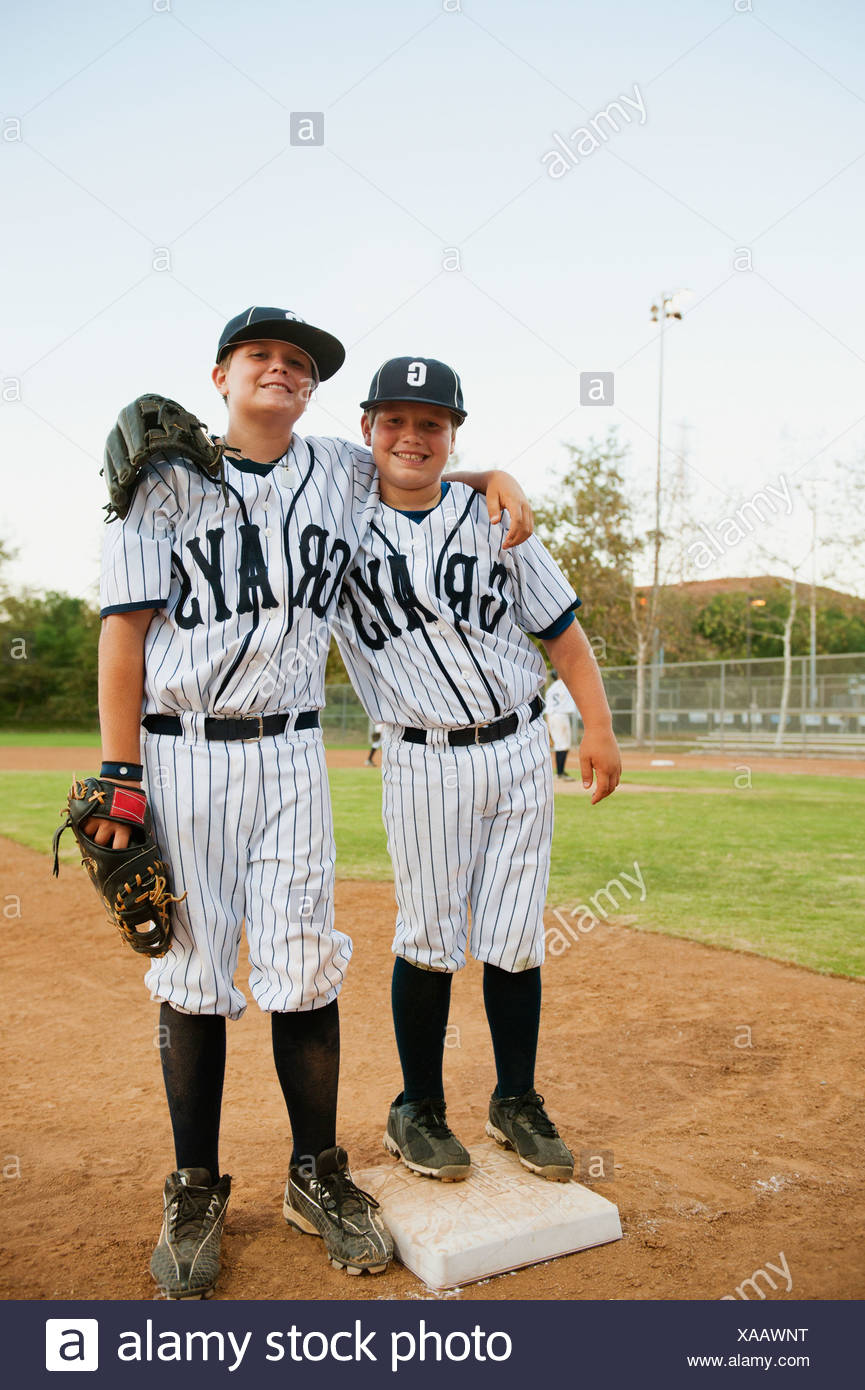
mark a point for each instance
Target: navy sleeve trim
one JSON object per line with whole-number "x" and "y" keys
{"x": 132, "y": 607}
{"x": 561, "y": 624}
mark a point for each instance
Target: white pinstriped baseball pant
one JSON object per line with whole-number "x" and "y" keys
{"x": 247, "y": 830}
{"x": 469, "y": 829}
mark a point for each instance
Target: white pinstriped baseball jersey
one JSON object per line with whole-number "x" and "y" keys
{"x": 434, "y": 615}
{"x": 245, "y": 590}
{"x": 432, "y": 629}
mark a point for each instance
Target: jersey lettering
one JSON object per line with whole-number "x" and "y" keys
{"x": 193, "y": 618}
{"x": 315, "y": 575}
{"x": 253, "y": 571}
{"x": 459, "y": 594}
{"x": 405, "y": 595}
{"x": 371, "y": 588}
{"x": 317, "y": 589}
{"x": 373, "y": 636}
{"x": 488, "y": 621}
{"x": 343, "y": 550}
{"x": 212, "y": 570}
{"x": 459, "y": 582}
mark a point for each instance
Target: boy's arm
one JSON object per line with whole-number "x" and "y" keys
{"x": 121, "y": 693}
{"x": 503, "y": 494}
{"x": 575, "y": 662}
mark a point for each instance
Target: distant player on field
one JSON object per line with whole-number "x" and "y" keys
{"x": 558, "y": 708}
{"x": 432, "y": 631}
{"x": 375, "y": 732}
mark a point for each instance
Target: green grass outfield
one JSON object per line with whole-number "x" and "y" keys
{"x": 49, "y": 738}
{"x": 774, "y": 868}
{"x": 90, "y": 738}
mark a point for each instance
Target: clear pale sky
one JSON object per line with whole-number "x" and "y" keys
{"x": 161, "y": 132}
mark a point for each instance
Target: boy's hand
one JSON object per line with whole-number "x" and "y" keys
{"x": 599, "y": 754}
{"x": 113, "y": 833}
{"x": 505, "y": 494}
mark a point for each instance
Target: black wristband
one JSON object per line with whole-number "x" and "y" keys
{"x": 122, "y": 772}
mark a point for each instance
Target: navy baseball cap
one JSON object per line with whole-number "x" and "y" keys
{"x": 417, "y": 379}
{"x": 326, "y": 352}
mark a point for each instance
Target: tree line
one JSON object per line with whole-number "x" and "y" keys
{"x": 48, "y": 641}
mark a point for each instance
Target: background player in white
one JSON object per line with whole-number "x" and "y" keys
{"x": 433, "y": 633}
{"x": 217, "y": 602}
{"x": 558, "y": 708}
{"x": 375, "y": 732}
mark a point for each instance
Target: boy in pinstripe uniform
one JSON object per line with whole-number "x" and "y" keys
{"x": 217, "y": 601}
{"x": 433, "y": 635}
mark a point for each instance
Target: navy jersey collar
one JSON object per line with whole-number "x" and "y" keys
{"x": 262, "y": 469}
{"x": 419, "y": 516}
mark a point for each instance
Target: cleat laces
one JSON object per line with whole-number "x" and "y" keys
{"x": 343, "y": 1198}
{"x": 532, "y": 1107}
{"x": 432, "y": 1116}
{"x": 189, "y": 1210}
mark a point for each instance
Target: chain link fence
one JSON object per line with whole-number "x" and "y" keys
{"x": 739, "y": 702}
{"x": 706, "y": 704}
{"x": 343, "y": 720}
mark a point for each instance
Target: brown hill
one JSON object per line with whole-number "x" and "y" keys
{"x": 703, "y": 590}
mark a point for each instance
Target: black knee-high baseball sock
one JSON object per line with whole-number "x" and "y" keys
{"x": 561, "y": 757}
{"x": 192, "y": 1050}
{"x": 513, "y": 1005}
{"x": 306, "y": 1053}
{"x": 421, "y": 1001}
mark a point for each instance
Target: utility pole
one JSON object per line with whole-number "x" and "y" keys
{"x": 667, "y": 307}
{"x": 813, "y": 643}
{"x": 748, "y": 658}
{"x": 752, "y": 603}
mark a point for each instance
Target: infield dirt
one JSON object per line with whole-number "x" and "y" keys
{"x": 733, "y": 1149}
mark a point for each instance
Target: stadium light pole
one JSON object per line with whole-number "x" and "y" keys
{"x": 668, "y": 306}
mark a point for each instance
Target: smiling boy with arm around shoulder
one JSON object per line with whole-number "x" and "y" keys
{"x": 434, "y": 637}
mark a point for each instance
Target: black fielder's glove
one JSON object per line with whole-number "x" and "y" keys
{"x": 134, "y": 883}
{"x": 151, "y": 428}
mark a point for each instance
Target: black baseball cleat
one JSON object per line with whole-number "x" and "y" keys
{"x": 419, "y": 1134}
{"x": 328, "y": 1204}
{"x": 185, "y": 1263}
{"x": 521, "y": 1123}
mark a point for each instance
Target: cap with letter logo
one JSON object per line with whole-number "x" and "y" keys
{"x": 327, "y": 352}
{"x": 417, "y": 379}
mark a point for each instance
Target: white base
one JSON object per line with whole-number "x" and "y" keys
{"x": 500, "y": 1218}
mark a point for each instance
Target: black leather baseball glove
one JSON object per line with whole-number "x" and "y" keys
{"x": 151, "y": 428}
{"x": 134, "y": 883}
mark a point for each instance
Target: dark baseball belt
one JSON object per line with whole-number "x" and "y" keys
{"x": 479, "y": 733}
{"x": 253, "y": 727}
